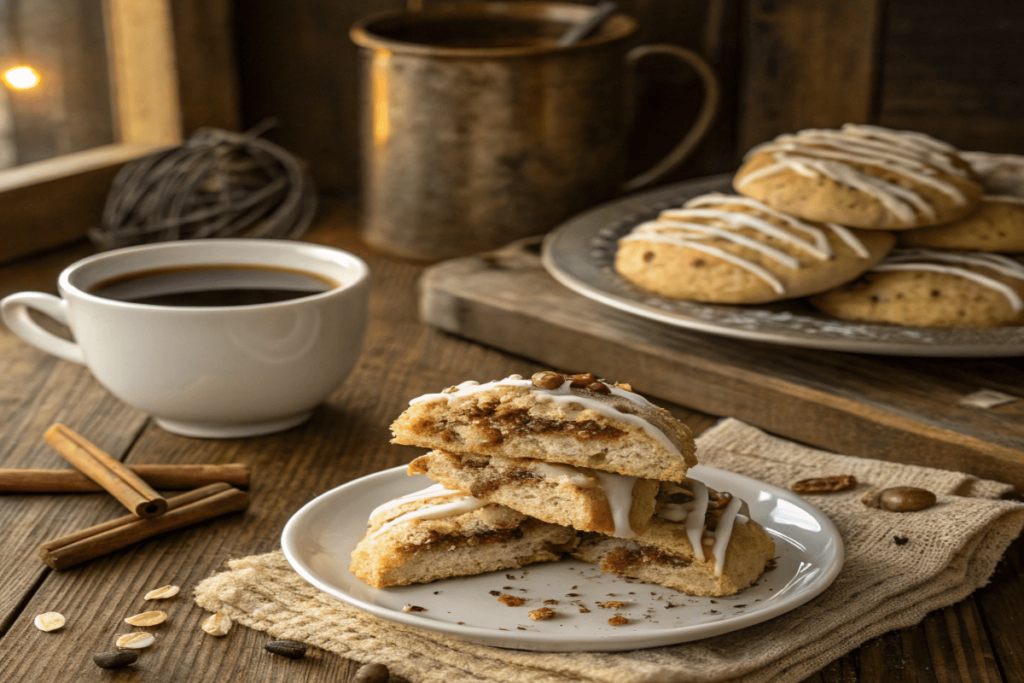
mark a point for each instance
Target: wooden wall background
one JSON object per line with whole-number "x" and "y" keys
{"x": 951, "y": 68}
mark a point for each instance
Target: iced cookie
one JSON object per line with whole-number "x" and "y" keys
{"x": 702, "y": 545}
{"x": 574, "y": 420}
{"x": 731, "y": 249}
{"x": 997, "y": 225}
{"x": 436, "y": 534}
{"x": 926, "y": 288}
{"x": 1000, "y": 174}
{"x": 861, "y": 176}
{"x": 580, "y": 497}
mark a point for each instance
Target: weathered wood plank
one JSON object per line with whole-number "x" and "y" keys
{"x": 807, "y": 64}
{"x": 958, "y": 646}
{"x": 953, "y": 69}
{"x": 886, "y": 408}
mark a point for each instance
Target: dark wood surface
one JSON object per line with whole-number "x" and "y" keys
{"x": 976, "y": 640}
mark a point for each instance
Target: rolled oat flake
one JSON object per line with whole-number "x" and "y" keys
{"x": 49, "y": 621}
{"x": 136, "y": 641}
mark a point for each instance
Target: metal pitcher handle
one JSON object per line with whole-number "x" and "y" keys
{"x": 712, "y": 95}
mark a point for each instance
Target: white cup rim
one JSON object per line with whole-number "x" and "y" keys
{"x": 340, "y": 256}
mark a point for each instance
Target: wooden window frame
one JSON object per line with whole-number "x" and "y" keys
{"x": 172, "y": 70}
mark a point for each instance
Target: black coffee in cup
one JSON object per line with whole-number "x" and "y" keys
{"x": 212, "y": 285}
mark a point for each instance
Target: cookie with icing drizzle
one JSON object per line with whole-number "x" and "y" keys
{"x": 931, "y": 288}
{"x": 721, "y": 248}
{"x": 861, "y": 176}
{"x": 599, "y": 425}
{"x": 997, "y": 226}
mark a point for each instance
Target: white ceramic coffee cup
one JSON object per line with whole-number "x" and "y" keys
{"x": 214, "y": 372}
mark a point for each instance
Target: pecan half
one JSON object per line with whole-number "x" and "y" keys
{"x": 547, "y": 380}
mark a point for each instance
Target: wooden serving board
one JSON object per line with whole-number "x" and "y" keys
{"x": 890, "y": 408}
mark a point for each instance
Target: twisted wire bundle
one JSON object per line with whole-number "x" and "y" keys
{"x": 217, "y": 184}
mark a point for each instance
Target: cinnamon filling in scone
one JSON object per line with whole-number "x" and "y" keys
{"x": 621, "y": 560}
{"x": 499, "y": 422}
{"x": 579, "y": 497}
{"x": 454, "y": 541}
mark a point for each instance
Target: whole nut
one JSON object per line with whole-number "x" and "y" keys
{"x": 115, "y": 660}
{"x": 547, "y": 380}
{"x": 599, "y": 388}
{"x": 372, "y": 673}
{"x": 581, "y": 381}
{"x": 292, "y": 649}
{"x": 906, "y": 499}
{"x": 840, "y": 482}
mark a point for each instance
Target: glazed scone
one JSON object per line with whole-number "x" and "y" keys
{"x": 436, "y": 534}
{"x": 693, "y": 549}
{"x": 861, "y": 176}
{"x": 731, "y": 249}
{"x": 579, "y": 497}
{"x": 926, "y": 288}
{"x": 576, "y": 420}
{"x": 997, "y": 226}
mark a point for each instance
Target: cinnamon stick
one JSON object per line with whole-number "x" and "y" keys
{"x": 165, "y": 477}
{"x": 184, "y": 510}
{"x": 112, "y": 475}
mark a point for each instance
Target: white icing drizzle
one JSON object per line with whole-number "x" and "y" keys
{"x": 830, "y": 153}
{"x": 435, "y": 491}
{"x": 437, "y": 510}
{"x": 1003, "y": 198}
{"x": 695, "y": 518}
{"x": 568, "y": 472}
{"x": 562, "y": 396}
{"x": 723, "y": 533}
{"x": 673, "y": 228}
{"x": 919, "y": 260}
{"x": 618, "y": 489}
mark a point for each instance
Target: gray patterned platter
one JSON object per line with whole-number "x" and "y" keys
{"x": 580, "y": 254}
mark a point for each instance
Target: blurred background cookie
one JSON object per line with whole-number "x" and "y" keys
{"x": 997, "y": 225}
{"x": 1001, "y": 174}
{"x": 862, "y": 176}
{"x": 731, "y": 249}
{"x": 926, "y": 288}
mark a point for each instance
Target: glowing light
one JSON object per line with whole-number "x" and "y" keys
{"x": 21, "y": 77}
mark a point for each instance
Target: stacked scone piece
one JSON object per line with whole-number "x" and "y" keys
{"x": 532, "y": 469}
{"x": 816, "y": 216}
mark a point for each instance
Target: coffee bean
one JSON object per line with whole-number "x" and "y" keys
{"x": 906, "y": 499}
{"x": 115, "y": 660}
{"x": 372, "y": 673}
{"x": 286, "y": 648}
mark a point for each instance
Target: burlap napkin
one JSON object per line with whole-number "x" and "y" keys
{"x": 952, "y": 549}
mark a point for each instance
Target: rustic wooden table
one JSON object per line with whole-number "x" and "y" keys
{"x": 979, "y": 639}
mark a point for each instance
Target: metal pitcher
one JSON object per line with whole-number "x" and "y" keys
{"x": 478, "y": 129}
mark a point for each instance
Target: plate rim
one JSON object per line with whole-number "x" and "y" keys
{"x": 528, "y": 640}
{"x": 591, "y": 223}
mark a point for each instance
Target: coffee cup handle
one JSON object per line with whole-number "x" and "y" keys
{"x": 712, "y": 95}
{"x": 14, "y": 310}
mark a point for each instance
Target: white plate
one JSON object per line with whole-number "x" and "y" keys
{"x": 320, "y": 537}
{"x": 581, "y": 252}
